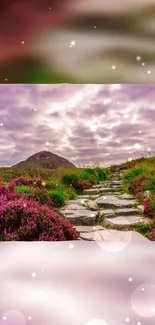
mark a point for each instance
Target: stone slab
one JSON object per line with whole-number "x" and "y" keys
{"x": 127, "y": 211}
{"x": 114, "y": 202}
{"x": 100, "y": 190}
{"x": 127, "y": 196}
{"x": 82, "y": 217}
{"x": 84, "y": 229}
{"x": 107, "y": 213}
{"x": 141, "y": 208}
{"x": 111, "y": 235}
{"x": 124, "y": 221}
{"x": 74, "y": 207}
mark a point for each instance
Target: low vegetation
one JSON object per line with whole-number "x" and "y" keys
{"x": 140, "y": 181}
{"x": 29, "y": 203}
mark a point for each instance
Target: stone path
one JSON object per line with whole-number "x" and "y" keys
{"x": 105, "y": 203}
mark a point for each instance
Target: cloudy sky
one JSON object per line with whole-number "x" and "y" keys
{"x": 99, "y": 123}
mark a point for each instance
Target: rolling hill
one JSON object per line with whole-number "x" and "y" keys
{"x": 44, "y": 159}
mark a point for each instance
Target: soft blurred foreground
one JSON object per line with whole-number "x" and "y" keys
{"x": 78, "y": 42}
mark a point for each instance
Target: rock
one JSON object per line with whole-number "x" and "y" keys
{"x": 124, "y": 221}
{"x": 84, "y": 229}
{"x": 111, "y": 235}
{"x": 91, "y": 205}
{"x": 141, "y": 208}
{"x": 114, "y": 202}
{"x": 127, "y": 211}
{"x": 100, "y": 190}
{"x": 82, "y": 217}
{"x": 87, "y": 197}
{"x": 147, "y": 193}
{"x": 74, "y": 207}
{"x": 126, "y": 196}
{"x": 92, "y": 191}
{"x": 107, "y": 213}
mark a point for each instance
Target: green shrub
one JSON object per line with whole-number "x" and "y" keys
{"x": 150, "y": 185}
{"x": 58, "y": 195}
{"x": 101, "y": 173}
{"x": 68, "y": 179}
{"x": 87, "y": 176}
{"x": 132, "y": 173}
{"x": 70, "y": 194}
{"x": 95, "y": 175}
{"x": 58, "y": 198}
{"x": 50, "y": 185}
{"x": 23, "y": 189}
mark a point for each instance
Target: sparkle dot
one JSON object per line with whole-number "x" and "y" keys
{"x": 35, "y": 109}
{"x": 143, "y": 63}
{"x": 137, "y": 145}
{"x": 142, "y": 289}
{"x": 49, "y": 8}
{"x": 1, "y": 124}
{"x": 47, "y": 143}
{"x": 42, "y": 270}
{"x": 130, "y": 279}
{"x": 71, "y": 246}
{"x": 113, "y": 67}
{"x": 149, "y": 72}
{"x": 6, "y": 79}
{"x": 73, "y": 43}
{"x": 94, "y": 26}
{"x": 148, "y": 149}
{"x": 33, "y": 274}
{"x": 153, "y": 310}
{"x": 29, "y": 317}
{"x": 138, "y": 323}
{"x": 22, "y": 42}
{"x": 130, "y": 159}
{"x": 140, "y": 132}
{"x": 127, "y": 319}
{"x": 4, "y": 318}
{"x": 138, "y": 58}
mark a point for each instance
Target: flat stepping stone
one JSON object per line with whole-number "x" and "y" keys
{"x": 141, "y": 208}
{"x": 124, "y": 221}
{"x": 127, "y": 211}
{"x": 112, "y": 235}
{"x": 81, "y": 197}
{"x": 84, "y": 229}
{"x": 99, "y": 190}
{"x": 114, "y": 202}
{"x": 74, "y": 207}
{"x": 126, "y": 196}
{"x": 82, "y": 217}
{"x": 76, "y": 202}
{"x": 107, "y": 213}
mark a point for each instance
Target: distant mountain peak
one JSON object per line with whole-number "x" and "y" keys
{"x": 44, "y": 159}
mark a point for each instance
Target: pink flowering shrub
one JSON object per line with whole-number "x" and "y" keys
{"x": 149, "y": 206}
{"x": 37, "y": 191}
{"x": 27, "y": 220}
{"x": 78, "y": 186}
{"x": 151, "y": 235}
{"x": 26, "y": 181}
